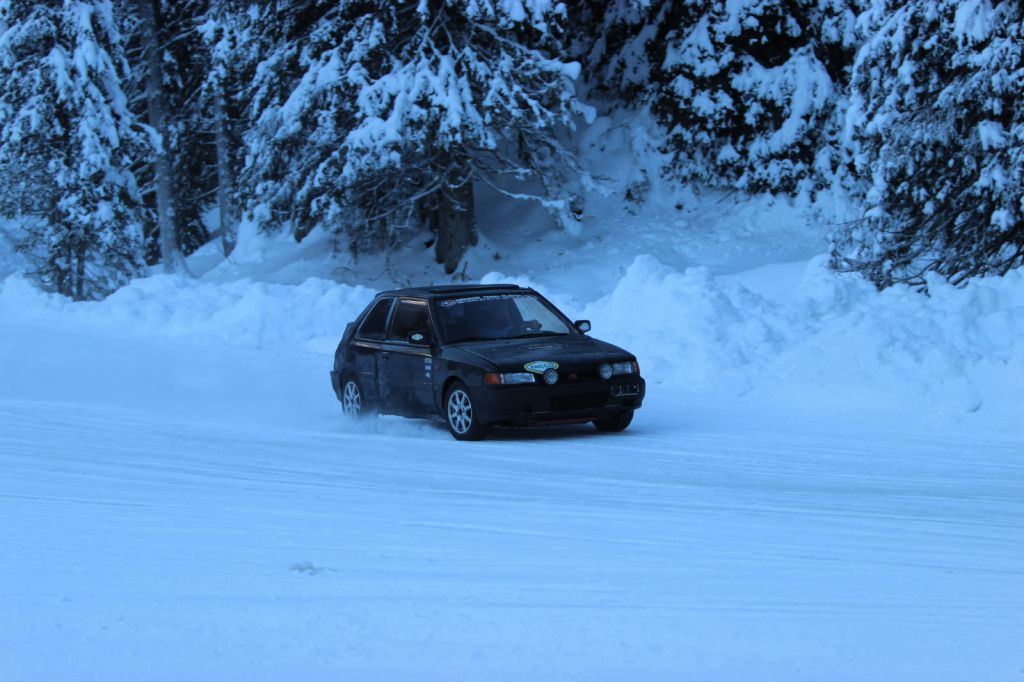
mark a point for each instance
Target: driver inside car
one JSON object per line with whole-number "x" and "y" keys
{"x": 505, "y": 322}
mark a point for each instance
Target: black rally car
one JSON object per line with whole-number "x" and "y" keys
{"x": 482, "y": 355}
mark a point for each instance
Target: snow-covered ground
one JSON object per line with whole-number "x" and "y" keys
{"x": 826, "y": 483}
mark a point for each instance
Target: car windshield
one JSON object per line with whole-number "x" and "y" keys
{"x": 497, "y": 316}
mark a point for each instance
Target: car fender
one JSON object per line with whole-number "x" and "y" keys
{"x": 458, "y": 363}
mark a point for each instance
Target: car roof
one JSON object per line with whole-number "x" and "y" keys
{"x": 450, "y": 289}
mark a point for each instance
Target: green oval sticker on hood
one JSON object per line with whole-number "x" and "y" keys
{"x": 540, "y": 366}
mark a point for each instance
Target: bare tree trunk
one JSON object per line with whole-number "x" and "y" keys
{"x": 170, "y": 253}
{"x": 80, "y": 273}
{"x": 225, "y": 176}
{"x": 456, "y": 227}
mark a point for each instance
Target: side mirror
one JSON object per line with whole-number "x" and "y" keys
{"x": 582, "y": 325}
{"x": 419, "y": 338}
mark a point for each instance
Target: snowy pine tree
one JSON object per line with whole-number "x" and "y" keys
{"x": 159, "y": 115}
{"x": 223, "y": 33}
{"x": 615, "y": 42}
{"x": 402, "y": 106}
{"x": 936, "y": 125}
{"x": 269, "y": 42}
{"x": 748, "y": 89}
{"x": 192, "y": 119}
{"x": 63, "y": 115}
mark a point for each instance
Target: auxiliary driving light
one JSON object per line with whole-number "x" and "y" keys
{"x": 550, "y": 377}
{"x": 606, "y": 371}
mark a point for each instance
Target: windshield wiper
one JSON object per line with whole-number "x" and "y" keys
{"x": 536, "y": 334}
{"x": 475, "y": 338}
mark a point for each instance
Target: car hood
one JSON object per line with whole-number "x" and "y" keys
{"x": 570, "y": 351}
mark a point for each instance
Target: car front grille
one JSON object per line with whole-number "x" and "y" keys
{"x": 584, "y": 374}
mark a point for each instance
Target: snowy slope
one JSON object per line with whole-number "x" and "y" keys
{"x": 725, "y": 232}
{"x": 825, "y": 483}
{"x": 10, "y": 260}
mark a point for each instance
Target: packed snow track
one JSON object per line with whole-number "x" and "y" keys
{"x": 187, "y": 511}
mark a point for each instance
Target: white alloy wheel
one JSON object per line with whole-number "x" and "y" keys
{"x": 460, "y": 412}
{"x": 351, "y": 400}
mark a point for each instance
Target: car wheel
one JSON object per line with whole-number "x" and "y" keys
{"x": 460, "y": 414}
{"x": 618, "y": 422}
{"x": 353, "y": 402}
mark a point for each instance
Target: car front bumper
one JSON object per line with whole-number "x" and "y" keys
{"x": 563, "y": 402}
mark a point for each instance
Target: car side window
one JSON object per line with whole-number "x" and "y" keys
{"x": 410, "y": 316}
{"x": 376, "y": 319}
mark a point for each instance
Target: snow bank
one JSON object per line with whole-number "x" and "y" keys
{"x": 837, "y": 340}
{"x": 309, "y": 316}
{"x": 688, "y": 328}
{"x": 834, "y": 341}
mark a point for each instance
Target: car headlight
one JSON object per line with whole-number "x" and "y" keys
{"x": 495, "y": 379}
{"x": 607, "y": 371}
{"x": 627, "y": 367}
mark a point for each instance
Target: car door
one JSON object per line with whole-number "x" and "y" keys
{"x": 406, "y": 359}
{"x": 366, "y": 346}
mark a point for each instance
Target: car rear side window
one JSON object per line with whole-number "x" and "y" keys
{"x": 376, "y": 319}
{"x": 410, "y": 316}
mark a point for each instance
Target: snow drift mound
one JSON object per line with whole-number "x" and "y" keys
{"x": 835, "y": 341}
{"x": 307, "y": 316}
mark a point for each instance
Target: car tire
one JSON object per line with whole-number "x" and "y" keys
{"x": 615, "y": 423}
{"x": 354, "y": 404}
{"x": 460, "y": 414}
